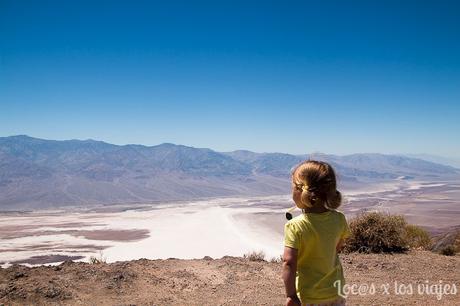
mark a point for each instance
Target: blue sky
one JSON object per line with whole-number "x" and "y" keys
{"x": 287, "y": 76}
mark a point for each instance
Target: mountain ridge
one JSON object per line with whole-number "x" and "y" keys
{"x": 38, "y": 173}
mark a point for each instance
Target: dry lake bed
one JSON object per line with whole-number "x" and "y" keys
{"x": 212, "y": 227}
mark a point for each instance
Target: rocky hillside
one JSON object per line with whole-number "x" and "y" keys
{"x": 225, "y": 281}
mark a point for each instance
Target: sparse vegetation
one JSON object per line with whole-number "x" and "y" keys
{"x": 449, "y": 250}
{"x": 377, "y": 232}
{"x": 447, "y": 242}
{"x": 255, "y": 256}
{"x": 278, "y": 259}
{"x": 98, "y": 260}
{"x": 417, "y": 237}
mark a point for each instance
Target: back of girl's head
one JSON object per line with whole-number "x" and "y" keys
{"x": 317, "y": 181}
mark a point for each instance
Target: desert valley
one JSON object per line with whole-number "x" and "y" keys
{"x": 245, "y": 214}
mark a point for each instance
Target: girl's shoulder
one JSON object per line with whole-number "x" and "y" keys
{"x": 338, "y": 213}
{"x": 307, "y": 218}
{"x": 331, "y": 215}
{"x": 296, "y": 223}
{"x": 296, "y": 220}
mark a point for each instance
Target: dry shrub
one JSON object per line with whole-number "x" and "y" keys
{"x": 448, "y": 250}
{"x": 417, "y": 237}
{"x": 447, "y": 240}
{"x": 98, "y": 260}
{"x": 377, "y": 232}
{"x": 277, "y": 259}
{"x": 255, "y": 256}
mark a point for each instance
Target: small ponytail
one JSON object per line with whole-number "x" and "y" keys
{"x": 334, "y": 200}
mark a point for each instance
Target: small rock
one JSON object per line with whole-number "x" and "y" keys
{"x": 18, "y": 274}
{"x": 50, "y": 292}
{"x": 67, "y": 263}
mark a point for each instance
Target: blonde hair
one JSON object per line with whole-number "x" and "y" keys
{"x": 318, "y": 183}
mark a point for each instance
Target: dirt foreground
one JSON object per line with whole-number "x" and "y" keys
{"x": 228, "y": 281}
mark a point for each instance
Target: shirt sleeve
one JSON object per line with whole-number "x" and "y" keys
{"x": 346, "y": 229}
{"x": 291, "y": 236}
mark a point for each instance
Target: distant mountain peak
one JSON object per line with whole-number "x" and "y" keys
{"x": 168, "y": 144}
{"x": 22, "y": 136}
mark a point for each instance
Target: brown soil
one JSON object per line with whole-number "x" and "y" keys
{"x": 225, "y": 281}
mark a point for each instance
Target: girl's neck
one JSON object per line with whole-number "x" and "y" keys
{"x": 316, "y": 210}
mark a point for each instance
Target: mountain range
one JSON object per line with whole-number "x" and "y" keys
{"x": 38, "y": 173}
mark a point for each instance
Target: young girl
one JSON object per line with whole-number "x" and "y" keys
{"x": 312, "y": 272}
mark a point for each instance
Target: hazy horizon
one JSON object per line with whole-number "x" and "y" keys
{"x": 415, "y": 155}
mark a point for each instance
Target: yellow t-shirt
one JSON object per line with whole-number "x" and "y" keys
{"x": 315, "y": 236}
